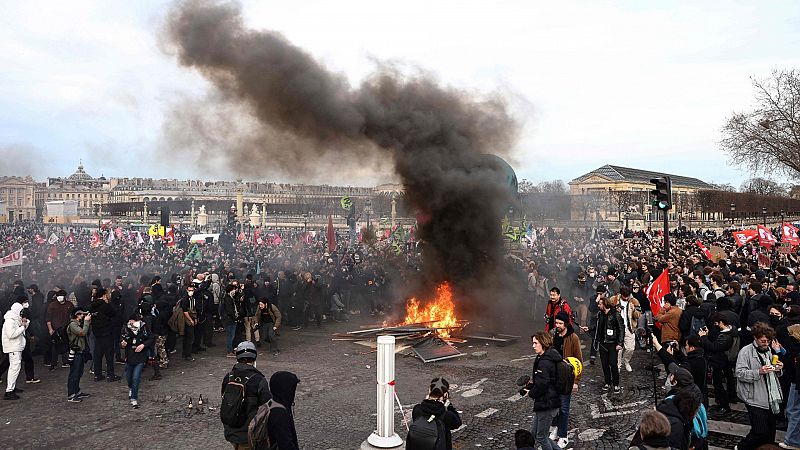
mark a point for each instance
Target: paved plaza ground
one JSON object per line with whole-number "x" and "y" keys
{"x": 335, "y": 405}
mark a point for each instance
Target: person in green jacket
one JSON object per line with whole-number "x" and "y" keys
{"x": 77, "y": 331}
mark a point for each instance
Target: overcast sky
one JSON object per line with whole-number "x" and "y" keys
{"x": 638, "y": 84}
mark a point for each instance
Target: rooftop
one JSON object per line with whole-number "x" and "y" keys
{"x": 618, "y": 173}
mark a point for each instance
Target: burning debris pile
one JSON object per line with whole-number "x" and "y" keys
{"x": 426, "y": 330}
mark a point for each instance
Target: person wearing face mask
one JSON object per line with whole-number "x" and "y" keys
{"x": 759, "y": 387}
{"x": 14, "y": 327}
{"x": 57, "y": 317}
{"x": 231, "y": 316}
{"x": 136, "y": 340}
{"x": 190, "y": 308}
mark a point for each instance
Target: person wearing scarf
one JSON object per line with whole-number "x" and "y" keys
{"x": 136, "y": 340}
{"x": 758, "y": 386}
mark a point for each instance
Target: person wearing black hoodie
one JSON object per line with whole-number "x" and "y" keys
{"x": 280, "y": 427}
{"x": 437, "y": 404}
{"x": 541, "y": 388}
{"x": 718, "y": 350}
{"x": 680, "y": 410}
{"x": 257, "y": 393}
{"x": 104, "y": 317}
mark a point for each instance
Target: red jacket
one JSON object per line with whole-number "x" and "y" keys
{"x": 553, "y": 309}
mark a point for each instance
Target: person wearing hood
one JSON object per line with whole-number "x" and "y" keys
{"x": 56, "y": 318}
{"x": 724, "y": 344}
{"x": 681, "y": 381}
{"x": 280, "y": 428}
{"x": 680, "y": 410}
{"x": 257, "y": 393}
{"x": 567, "y": 344}
{"x": 758, "y": 386}
{"x": 136, "y": 340}
{"x": 523, "y": 440}
{"x": 541, "y": 388}
{"x": 14, "y": 327}
{"x": 437, "y": 404}
{"x": 103, "y": 319}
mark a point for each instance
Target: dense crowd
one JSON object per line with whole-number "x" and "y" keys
{"x": 733, "y": 318}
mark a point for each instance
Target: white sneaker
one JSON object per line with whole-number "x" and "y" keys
{"x": 134, "y": 403}
{"x": 563, "y": 442}
{"x": 553, "y": 433}
{"x": 787, "y": 446}
{"x": 628, "y": 367}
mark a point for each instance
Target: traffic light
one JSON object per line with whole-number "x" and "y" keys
{"x": 662, "y": 193}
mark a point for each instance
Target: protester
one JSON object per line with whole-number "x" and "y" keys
{"x": 281, "y": 429}
{"x": 653, "y": 433}
{"x": 720, "y": 353}
{"x": 437, "y": 405}
{"x": 244, "y": 385}
{"x": 103, "y": 321}
{"x": 270, "y": 322}
{"x": 541, "y": 388}
{"x": 76, "y": 334}
{"x": 555, "y": 306}
{"x": 137, "y": 341}
{"x": 567, "y": 344}
{"x": 57, "y": 318}
{"x": 14, "y": 327}
{"x": 609, "y": 333}
{"x": 630, "y": 310}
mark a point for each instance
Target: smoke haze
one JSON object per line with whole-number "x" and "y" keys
{"x": 277, "y": 106}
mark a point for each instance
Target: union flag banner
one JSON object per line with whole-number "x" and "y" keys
{"x": 742, "y": 237}
{"x": 704, "y": 250}
{"x": 14, "y": 259}
{"x": 789, "y": 234}
{"x": 765, "y": 237}
{"x": 169, "y": 237}
{"x": 95, "y": 240}
{"x": 656, "y": 293}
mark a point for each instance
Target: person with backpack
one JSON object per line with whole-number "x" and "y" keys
{"x": 542, "y": 388}
{"x": 653, "y": 433}
{"x": 281, "y": 432}
{"x": 137, "y": 342}
{"x": 269, "y": 323}
{"x": 433, "y": 419}
{"x": 567, "y": 344}
{"x": 244, "y": 390}
{"x": 721, "y": 353}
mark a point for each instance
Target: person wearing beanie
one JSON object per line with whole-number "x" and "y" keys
{"x": 612, "y": 283}
{"x": 436, "y": 404}
{"x": 567, "y": 344}
{"x": 14, "y": 327}
{"x": 256, "y": 393}
{"x": 76, "y": 338}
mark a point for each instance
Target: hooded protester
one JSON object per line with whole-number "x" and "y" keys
{"x": 281, "y": 429}
{"x": 14, "y": 327}
{"x": 680, "y": 410}
{"x": 653, "y": 433}
{"x": 56, "y": 318}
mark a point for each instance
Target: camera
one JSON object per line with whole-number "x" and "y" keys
{"x": 525, "y": 384}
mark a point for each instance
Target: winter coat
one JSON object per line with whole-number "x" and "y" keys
{"x": 554, "y": 308}
{"x": 543, "y": 392}
{"x": 669, "y": 323}
{"x": 716, "y": 350}
{"x": 77, "y": 333}
{"x": 103, "y": 318}
{"x": 132, "y": 340}
{"x": 570, "y": 345}
{"x": 680, "y": 429}
{"x": 280, "y": 428}
{"x": 257, "y": 393}
{"x": 13, "y": 330}
{"x": 231, "y": 310}
{"x": 687, "y": 316}
{"x": 610, "y": 328}
{"x": 634, "y": 311}
{"x": 448, "y": 416}
{"x": 698, "y": 366}
{"x": 751, "y": 386}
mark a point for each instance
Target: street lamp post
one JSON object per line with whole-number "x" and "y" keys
{"x": 733, "y": 212}
{"x": 783, "y": 213}
{"x": 764, "y": 213}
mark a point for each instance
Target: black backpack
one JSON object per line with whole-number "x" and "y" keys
{"x": 233, "y": 410}
{"x": 565, "y": 377}
{"x": 425, "y": 433}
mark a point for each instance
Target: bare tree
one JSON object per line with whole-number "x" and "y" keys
{"x": 767, "y": 139}
{"x": 553, "y": 187}
{"x": 762, "y": 186}
{"x": 725, "y": 187}
{"x": 527, "y": 187}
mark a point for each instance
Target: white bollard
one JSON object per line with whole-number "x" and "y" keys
{"x": 384, "y": 436}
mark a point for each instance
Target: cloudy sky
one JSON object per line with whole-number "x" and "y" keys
{"x": 639, "y": 84}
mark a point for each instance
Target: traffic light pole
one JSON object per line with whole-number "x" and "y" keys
{"x": 666, "y": 235}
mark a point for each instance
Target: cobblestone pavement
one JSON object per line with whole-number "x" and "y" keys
{"x": 335, "y": 405}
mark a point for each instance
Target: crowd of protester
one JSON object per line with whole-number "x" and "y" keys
{"x": 734, "y": 319}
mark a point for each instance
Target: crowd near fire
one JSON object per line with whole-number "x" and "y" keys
{"x": 636, "y": 308}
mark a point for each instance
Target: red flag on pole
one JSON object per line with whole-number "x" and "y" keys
{"x": 657, "y": 291}
{"x": 789, "y": 234}
{"x": 703, "y": 249}
{"x": 331, "y": 235}
{"x": 53, "y": 252}
{"x": 744, "y": 236}
{"x": 765, "y": 237}
{"x": 169, "y": 237}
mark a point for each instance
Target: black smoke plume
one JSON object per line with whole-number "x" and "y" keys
{"x": 437, "y": 137}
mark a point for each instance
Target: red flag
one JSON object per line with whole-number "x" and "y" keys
{"x": 276, "y": 240}
{"x": 307, "y": 237}
{"x": 257, "y": 236}
{"x": 765, "y": 237}
{"x": 657, "y": 291}
{"x": 331, "y": 235}
{"x": 53, "y": 252}
{"x": 39, "y": 239}
{"x": 789, "y": 234}
{"x": 69, "y": 239}
{"x": 744, "y": 236}
{"x": 118, "y": 232}
{"x": 241, "y": 236}
{"x": 169, "y": 237}
{"x": 703, "y": 249}
{"x": 95, "y": 239}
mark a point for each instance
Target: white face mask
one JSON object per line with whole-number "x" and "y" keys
{"x": 191, "y": 293}
{"x": 26, "y": 305}
{"x": 668, "y": 383}
{"x": 60, "y": 299}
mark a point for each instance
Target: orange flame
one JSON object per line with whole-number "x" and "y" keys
{"x": 440, "y": 312}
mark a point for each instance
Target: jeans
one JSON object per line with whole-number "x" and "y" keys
{"x": 103, "y": 347}
{"x": 793, "y": 414}
{"x": 268, "y": 333}
{"x": 608, "y": 359}
{"x": 563, "y": 416}
{"x": 762, "y": 429}
{"x": 15, "y": 364}
{"x": 75, "y": 373}
{"x": 541, "y": 428}
{"x": 230, "y": 335}
{"x": 133, "y": 374}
